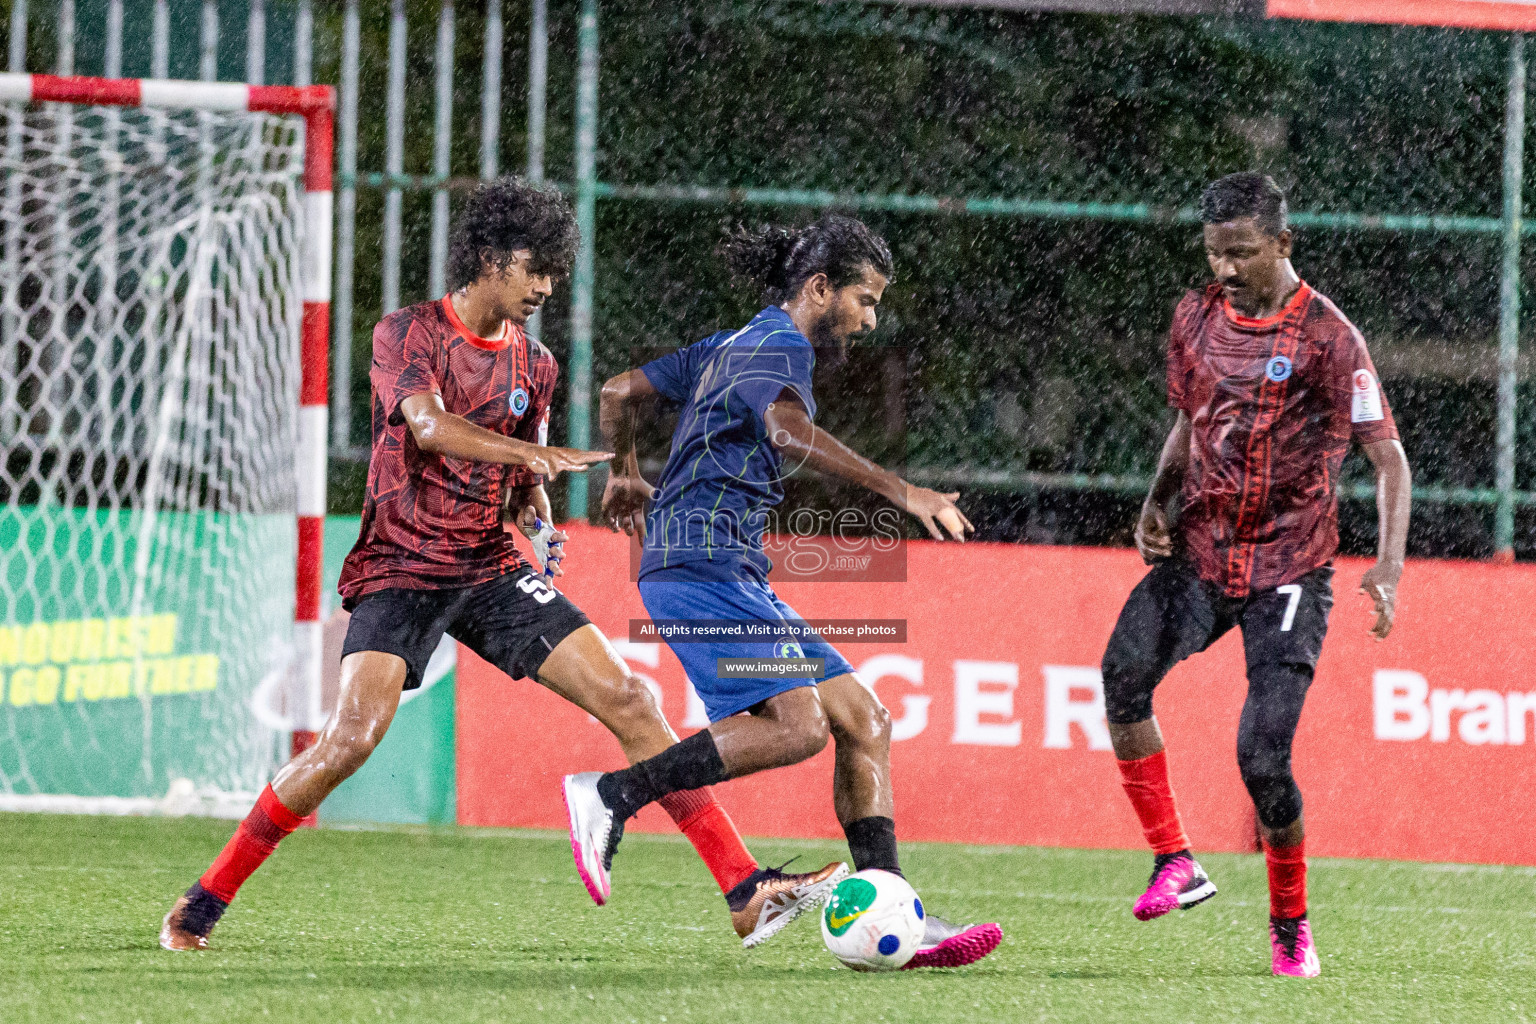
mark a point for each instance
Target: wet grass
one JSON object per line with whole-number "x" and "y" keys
{"x": 483, "y": 925}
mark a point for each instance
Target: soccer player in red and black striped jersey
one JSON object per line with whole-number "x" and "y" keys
{"x": 461, "y": 400}
{"x": 1271, "y": 382}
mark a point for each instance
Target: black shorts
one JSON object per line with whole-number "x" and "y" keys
{"x": 513, "y": 622}
{"x": 1173, "y": 613}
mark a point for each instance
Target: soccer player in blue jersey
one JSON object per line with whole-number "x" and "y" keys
{"x": 746, "y": 422}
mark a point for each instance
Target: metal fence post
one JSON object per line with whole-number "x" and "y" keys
{"x": 208, "y": 42}
{"x": 1509, "y": 301}
{"x": 304, "y": 44}
{"x": 160, "y": 41}
{"x": 538, "y": 78}
{"x": 18, "y": 54}
{"x": 65, "y": 61}
{"x": 112, "y": 59}
{"x": 442, "y": 131}
{"x": 346, "y": 235}
{"x": 394, "y": 155}
{"x": 582, "y": 279}
{"x": 490, "y": 93}
{"x": 256, "y": 43}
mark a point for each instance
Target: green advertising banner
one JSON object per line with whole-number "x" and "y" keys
{"x": 144, "y": 662}
{"x": 131, "y": 647}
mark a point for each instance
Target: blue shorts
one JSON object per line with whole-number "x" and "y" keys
{"x": 740, "y": 602}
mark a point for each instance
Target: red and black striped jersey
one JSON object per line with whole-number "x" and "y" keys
{"x": 431, "y": 522}
{"x": 1273, "y": 404}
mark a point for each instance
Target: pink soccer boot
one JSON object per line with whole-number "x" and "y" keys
{"x": 1295, "y": 955}
{"x": 1178, "y": 882}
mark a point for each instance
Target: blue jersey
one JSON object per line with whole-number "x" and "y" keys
{"x": 723, "y": 475}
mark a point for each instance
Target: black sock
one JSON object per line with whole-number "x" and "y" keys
{"x": 872, "y": 843}
{"x": 202, "y": 911}
{"x": 745, "y": 889}
{"x": 691, "y": 764}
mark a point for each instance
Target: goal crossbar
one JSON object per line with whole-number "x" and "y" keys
{"x": 316, "y": 105}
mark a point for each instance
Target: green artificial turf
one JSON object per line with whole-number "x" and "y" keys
{"x": 484, "y": 925}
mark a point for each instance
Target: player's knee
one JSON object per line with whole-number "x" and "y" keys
{"x": 808, "y": 738}
{"x": 631, "y": 702}
{"x": 1276, "y": 799}
{"x": 804, "y": 735}
{"x": 1260, "y": 758}
{"x": 1127, "y": 693}
{"x": 866, "y": 725}
{"x": 880, "y": 732}
{"x": 1266, "y": 771}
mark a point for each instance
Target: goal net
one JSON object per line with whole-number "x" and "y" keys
{"x": 150, "y": 363}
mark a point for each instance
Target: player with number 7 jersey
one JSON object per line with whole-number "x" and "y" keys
{"x": 461, "y": 398}
{"x": 1270, "y": 383}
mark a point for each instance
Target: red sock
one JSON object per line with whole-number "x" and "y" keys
{"x": 1287, "y": 879}
{"x": 1146, "y": 783}
{"x": 252, "y": 843}
{"x": 701, "y": 818}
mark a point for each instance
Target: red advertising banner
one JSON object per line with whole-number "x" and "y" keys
{"x": 1422, "y": 747}
{"x": 1506, "y": 15}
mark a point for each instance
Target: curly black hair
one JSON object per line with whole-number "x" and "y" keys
{"x": 780, "y": 260}
{"x": 503, "y": 216}
{"x": 1245, "y": 194}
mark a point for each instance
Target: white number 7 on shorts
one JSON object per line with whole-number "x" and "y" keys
{"x": 1294, "y": 591}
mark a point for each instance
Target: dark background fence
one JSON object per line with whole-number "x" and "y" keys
{"x": 1033, "y": 172}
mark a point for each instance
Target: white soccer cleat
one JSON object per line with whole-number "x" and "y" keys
{"x": 592, "y": 828}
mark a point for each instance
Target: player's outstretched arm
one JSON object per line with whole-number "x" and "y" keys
{"x": 792, "y": 432}
{"x": 626, "y": 493}
{"x": 1154, "y": 535}
{"x": 439, "y": 432}
{"x": 1394, "y": 499}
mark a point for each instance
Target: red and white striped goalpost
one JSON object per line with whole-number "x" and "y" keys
{"x": 316, "y": 104}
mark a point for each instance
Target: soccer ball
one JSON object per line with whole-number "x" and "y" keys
{"x": 873, "y": 922}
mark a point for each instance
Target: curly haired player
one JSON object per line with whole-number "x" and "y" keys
{"x": 1271, "y": 383}
{"x": 461, "y": 401}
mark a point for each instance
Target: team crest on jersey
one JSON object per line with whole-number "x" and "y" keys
{"x": 790, "y": 649}
{"x": 518, "y": 401}
{"x": 1278, "y": 369}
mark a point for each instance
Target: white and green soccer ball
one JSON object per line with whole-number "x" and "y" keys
{"x": 873, "y": 921}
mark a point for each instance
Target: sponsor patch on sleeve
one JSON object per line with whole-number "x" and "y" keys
{"x": 1366, "y": 404}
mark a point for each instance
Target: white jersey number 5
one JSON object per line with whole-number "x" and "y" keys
{"x": 543, "y": 593}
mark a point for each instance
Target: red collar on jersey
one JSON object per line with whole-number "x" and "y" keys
{"x": 497, "y": 345}
{"x": 1302, "y": 297}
